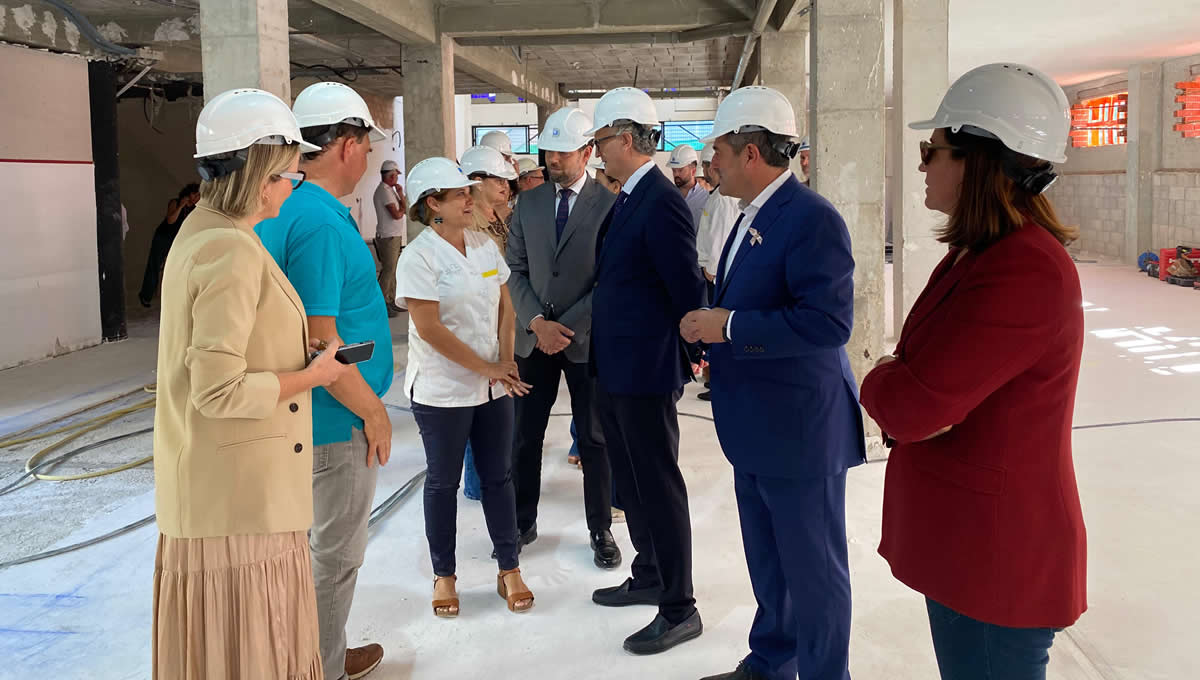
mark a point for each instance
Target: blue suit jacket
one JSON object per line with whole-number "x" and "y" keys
{"x": 784, "y": 398}
{"x": 647, "y": 278}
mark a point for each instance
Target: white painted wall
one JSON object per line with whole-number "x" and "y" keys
{"x": 49, "y": 292}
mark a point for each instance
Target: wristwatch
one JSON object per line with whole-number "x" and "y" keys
{"x": 725, "y": 331}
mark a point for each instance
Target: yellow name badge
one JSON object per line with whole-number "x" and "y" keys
{"x": 490, "y": 273}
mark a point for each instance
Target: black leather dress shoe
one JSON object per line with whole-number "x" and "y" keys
{"x": 528, "y": 536}
{"x": 622, "y": 596}
{"x": 742, "y": 672}
{"x": 660, "y": 635}
{"x": 608, "y": 555}
{"x": 705, "y": 396}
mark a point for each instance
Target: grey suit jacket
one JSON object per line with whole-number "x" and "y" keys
{"x": 555, "y": 272}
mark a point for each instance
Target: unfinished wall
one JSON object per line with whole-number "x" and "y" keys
{"x": 48, "y": 268}
{"x": 1177, "y": 181}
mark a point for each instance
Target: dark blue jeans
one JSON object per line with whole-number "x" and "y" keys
{"x": 445, "y": 432}
{"x": 968, "y": 649}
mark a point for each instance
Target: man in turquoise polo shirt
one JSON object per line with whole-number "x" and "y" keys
{"x": 318, "y": 246}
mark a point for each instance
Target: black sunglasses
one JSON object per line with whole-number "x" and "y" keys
{"x": 929, "y": 148}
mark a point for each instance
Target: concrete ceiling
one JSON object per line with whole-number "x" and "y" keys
{"x": 709, "y": 63}
{"x": 1072, "y": 40}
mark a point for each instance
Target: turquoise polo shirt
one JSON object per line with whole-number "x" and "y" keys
{"x": 318, "y": 246}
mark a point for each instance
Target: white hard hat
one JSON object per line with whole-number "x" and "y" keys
{"x": 596, "y": 163}
{"x": 707, "y": 153}
{"x": 499, "y": 141}
{"x": 566, "y": 130}
{"x": 1019, "y": 105}
{"x": 486, "y": 160}
{"x": 804, "y": 145}
{"x": 332, "y": 103}
{"x": 233, "y": 120}
{"x": 683, "y": 156}
{"x": 623, "y": 103}
{"x": 389, "y": 166}
{"x": 528, "y": 165}
{"x": 433, "y": 175}
{"x": 754, "y": 108}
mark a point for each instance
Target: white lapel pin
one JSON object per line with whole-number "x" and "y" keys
{"x": 755, "y": 237}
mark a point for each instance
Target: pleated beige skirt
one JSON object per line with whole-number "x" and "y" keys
{"x": 236, "y": 608}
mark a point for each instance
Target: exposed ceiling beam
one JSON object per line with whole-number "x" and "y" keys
{"x": 765, "y": 7}
{"x": 500, "y": 68}
{"x": 612, "y": 16}
{"x": 787, "y": 13}
{"x": 407, "y": 21}
{"x": 674, "y": 37}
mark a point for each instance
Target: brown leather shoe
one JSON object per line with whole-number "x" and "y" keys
{"x": 362, "y": 660}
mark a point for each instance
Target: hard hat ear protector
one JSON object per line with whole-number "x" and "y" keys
{"x": 212, "y": 167}
{"x": 1034, "y": 180}
{"x": 320, "y": 135}
{"x": 787, "y": 146}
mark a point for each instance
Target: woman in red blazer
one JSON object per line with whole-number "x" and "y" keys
{"x": 981, "y": 512}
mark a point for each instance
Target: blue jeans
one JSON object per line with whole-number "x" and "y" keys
{"x": 472, "y": 488}
{"x": 575, "y": 452}
{"x": 968, "y": 649}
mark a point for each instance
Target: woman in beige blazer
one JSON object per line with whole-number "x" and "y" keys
{"x": 233, "y": 589}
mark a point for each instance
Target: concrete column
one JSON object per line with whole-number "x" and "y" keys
{"x": 1143, "y": 157}
{"x": 784, "y": 67}
{"x": 846, "y": 129}
{"x": 543, "y": 112}
{"x": 920, "y": 79}
{"x": 429, "y": 102}
{"x": 244, "y": 43}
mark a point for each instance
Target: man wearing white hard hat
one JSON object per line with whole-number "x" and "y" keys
{"x": 981, "y": 508}
{"x": 784, "y": 400}
{"x": 646, "y": 281}
{"x": 531, "y": 175}
{"x": 318, "y": 245}
{"x": 552, "y": 254}
{"x": 390, "y": 230}
{"x": 805, "y": 153}
{"x": 685, "y": 165}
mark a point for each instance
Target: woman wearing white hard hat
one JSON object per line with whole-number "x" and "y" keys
{"x": 233, "y": 587}
{"x": 500, "y": 141}
{"x": 492, "y": 174}
{"x": 981, "y": 512}
{"x": 461, "y": 371}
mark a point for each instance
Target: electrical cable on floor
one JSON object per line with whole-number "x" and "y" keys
{"x": 53, "y": 462}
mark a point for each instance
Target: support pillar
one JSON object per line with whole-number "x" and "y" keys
{"x": 846, "y": 130}
{"x": 110, "y": 236}
{"x": 784, "y": 67}
{"x": 429, "y": 102}
{"x": 920, "y": 80}
{"x": 1143, "y": 158}
{"x": 244, "y": 43}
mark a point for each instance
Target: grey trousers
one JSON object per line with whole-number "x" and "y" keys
{"x": 343, "y": 490}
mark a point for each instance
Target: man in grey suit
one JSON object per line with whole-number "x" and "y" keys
{"x": 552, "y": 255}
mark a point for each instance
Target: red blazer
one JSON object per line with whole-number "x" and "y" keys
{"x": 985, "y": 519}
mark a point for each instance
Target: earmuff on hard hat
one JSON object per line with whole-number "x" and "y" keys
{"x": 1034, "y": 180}
{"x": 212, "y": 167}
{"x": 788, "y": 146}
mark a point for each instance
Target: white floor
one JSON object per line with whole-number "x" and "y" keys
{"x": 87, "y": 614}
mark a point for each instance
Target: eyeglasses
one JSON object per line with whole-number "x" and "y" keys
{"x": 605, "y": 139}
{"x": 296, "y": 178}
{"x": 928, "y": 148}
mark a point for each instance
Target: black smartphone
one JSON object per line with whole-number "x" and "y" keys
{"x": 352, "y": 354}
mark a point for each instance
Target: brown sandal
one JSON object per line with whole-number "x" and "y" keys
{"x": 513, "y": 598}
{"x": 449, "y": 606}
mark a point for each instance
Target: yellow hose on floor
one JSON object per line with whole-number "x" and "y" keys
{"x": 76, "y": 431}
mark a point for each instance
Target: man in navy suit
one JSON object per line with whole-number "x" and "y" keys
{"x": 784, "y": 399}
{"x": 647, "y": 279}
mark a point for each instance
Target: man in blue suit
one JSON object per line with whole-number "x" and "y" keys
{"x": 784, "y": 399}
{"x": 647, "y": 279}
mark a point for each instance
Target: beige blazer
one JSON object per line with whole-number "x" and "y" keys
{"x": 229, "y": 459}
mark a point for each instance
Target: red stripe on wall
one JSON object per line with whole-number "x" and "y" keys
{"x": 35, "y": 160}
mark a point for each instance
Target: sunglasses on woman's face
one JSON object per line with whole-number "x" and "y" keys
{"x": 928, "y": 148}
{"x": 296, "y": 178}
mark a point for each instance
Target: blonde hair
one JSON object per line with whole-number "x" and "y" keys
{"x": 239, "y": 194}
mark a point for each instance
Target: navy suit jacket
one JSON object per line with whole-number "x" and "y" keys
{"x": 647, "y": 279}
{"x": 784, "y": 398}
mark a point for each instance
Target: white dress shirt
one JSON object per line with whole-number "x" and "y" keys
{"x": 575, "y": 189}
{"x": 636, "y": 177}
{"x": 717, "y": 218}
{"x": 749, "y": 212}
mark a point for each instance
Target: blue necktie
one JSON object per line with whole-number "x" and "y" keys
{"x": 616, "y": 209}
{"x": 564, "y": 211}
{"x": 729, "y": 241}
